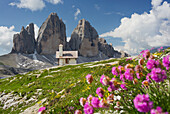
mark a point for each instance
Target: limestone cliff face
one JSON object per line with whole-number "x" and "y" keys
{"x": 50, "y": 35}
{"x": 107, "y": 49}
{"x": 24, "y": 42}
{"x": 84, "y": 38}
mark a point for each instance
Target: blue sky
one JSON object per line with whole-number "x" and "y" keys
{"x": 113, "y": 20}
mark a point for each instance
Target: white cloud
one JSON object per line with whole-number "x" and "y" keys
{"x": 156, "y": 3}
{"x": 146, "y": 30}
{"x": 6, "y": 39}
{"x": 96, "y": 6}
{"x": 33, "y": 5}
{"x": 77, "y": 13}
{"x": 55, "y": 1}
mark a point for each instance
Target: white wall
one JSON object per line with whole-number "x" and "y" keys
{"x": 62, "y": 62}
{"x": 72, "y": 61}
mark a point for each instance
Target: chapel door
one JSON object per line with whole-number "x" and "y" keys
{"x": 67, "y": 61}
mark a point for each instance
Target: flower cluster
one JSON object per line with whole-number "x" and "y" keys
{"x": 166, "y": 62}
{"x": 94, "y": 102}
{"x": 152, "y": 64}
{"x": 158, "y": 74}
{"x": 100, "y": 92}
{"x": 89, "y": 78}
{"x": 78, "y": 112}
{"x": 141, "y": 74}
{"x": 41, "y": 110}
{"x": 158, "y": 110}
{"x": 142, "y": 103}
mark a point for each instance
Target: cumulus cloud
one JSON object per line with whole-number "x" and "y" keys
{"x": 6, "y": 39}
{"x": 146, "y": 30}
{"x": 34, "y": 5}
{"x": 77, "y": 13}
{"x": 55, "y": 1}
{"x": 156, "y": 3}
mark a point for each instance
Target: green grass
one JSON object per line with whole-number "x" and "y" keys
{"x": 70, "y": 77}
{"x": 62, "y": 78}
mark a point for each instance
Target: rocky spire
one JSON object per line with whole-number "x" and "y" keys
{"x": 24, "y": 42}
{"x": 51, "y": 33}
{"x": 84, "y": 38}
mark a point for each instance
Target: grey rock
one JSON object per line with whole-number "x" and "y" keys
{"x": 124, "y": 54}
{"x": 50, "y": 35}
{"x": 84, "y": 38}
{"x": 24, "y": 42}
{"x": 107, "y": 49}
{"x": 98, "y": 57}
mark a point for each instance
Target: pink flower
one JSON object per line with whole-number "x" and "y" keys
{"x": 166, "y": 62}
{"x": 158, "y": 74}
{"x": 78, "y": 112}
{"x": 158, "y": 110}
{"x": 113, "y": 85}
{"x": 115, "y": 71}
{"x": 128, "y": 66}
{"x": 151, "y": 57}
{"x": 82, "y": 101}
{"x": 146, "y": 54}
{"x": 128, "y": 59}
{"x": 148, "y": 76}
{"x": 110, "y": 98}
{"x": 145, "y": 83}
{"x": 88, "y": 109}
{"x": 141, "y": 62}
{"x": 122, "y": 77}
{"x": 159, "y": 49}
{"x": 123, "y": 86}
{"x": 138, "y": 68}
{"x": 41, "y": 109}
{"x": 104, "y": 80}
{"x": 152, "y": 48}
{"x": 139, "y": 75}
{"x": 89, "y": 98}
{"x": 129, "y": 74}
{"x": 100, "y": 92}
{"x": 142, "y": 103}
{"x": 152, "y": 64}
{"x": 103, "y": 103}
{"x": 142, "y": 51}
{"x": 89, "y": 78}
{"x": 121, "y": 70}
{"x": 95, "y": 102}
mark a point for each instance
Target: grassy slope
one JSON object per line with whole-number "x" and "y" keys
{"x": 69, "y": 78}
{"x": 63, "y": 78}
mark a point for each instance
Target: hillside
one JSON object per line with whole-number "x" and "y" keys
{"x": 59, "y": 88}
